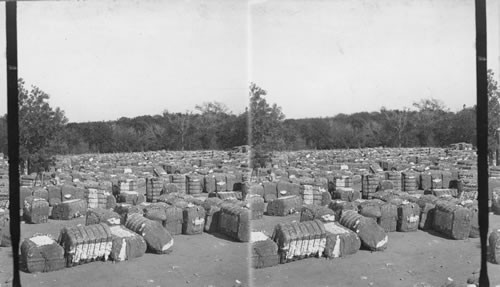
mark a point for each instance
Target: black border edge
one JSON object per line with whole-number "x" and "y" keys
{"x": 482, "y": 134}
{"x": 13, "y": 134}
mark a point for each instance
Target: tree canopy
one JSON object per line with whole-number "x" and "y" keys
{"x": 40, "y": 128}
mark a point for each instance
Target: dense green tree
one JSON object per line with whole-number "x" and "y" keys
{"x": 265, "y": 126}
{"x": 430, "y": 111}
{"x": 39, "y": 128}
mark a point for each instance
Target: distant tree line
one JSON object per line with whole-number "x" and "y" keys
{"x": 212, "y": 127}
{"x": 44, "y": 131}
{"x": 430, "y": 124}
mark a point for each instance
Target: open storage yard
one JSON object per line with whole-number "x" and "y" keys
{"x": 371, "y": 217}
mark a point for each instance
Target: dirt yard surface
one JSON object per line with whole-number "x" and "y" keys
{"x": 208, "y": 260}
{"x": 409, "y": 259}
{"x": 196, "y": 260}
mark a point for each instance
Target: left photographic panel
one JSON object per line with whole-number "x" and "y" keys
{"x": 133, "y": 136}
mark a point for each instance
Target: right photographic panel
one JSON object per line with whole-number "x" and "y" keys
{"x": 362, "y": 126}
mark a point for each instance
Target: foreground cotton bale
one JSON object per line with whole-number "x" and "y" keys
{"x": 83, "y": 244}
{"x": 157, "y": 238}
{"x": 388, "y": 219}
{"x": 452, "y": 220}
{"x": 408, "y": 217}
{"x": 340, "y": 241}
{"x": 234, "y": 221}
{"x": 193, "y": 220}
{"x": 372, "y": 236}
{"x": 264, "y": 251}
{"x": 298, "y": 240}
{"x": 126, "y": 244}
{"x": 41, "y": 253}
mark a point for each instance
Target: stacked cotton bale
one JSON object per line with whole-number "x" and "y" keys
{"x": 495, "y": 171}
{"x": 425, "y": 180}
{"x": 154, "y": 188}
{"x": 41, "y": 192}
{"x": 314, "y": 194}
{"x": 286, "y": 188}
{"x": 395, "y": 178}
{"x": 339, "y": 206}
{"x": 452, "y": 220}
{"x": 194, "y": 184}
{"x": 174, "y": 219}
{"x": 388, "y": 219}
{"x": 409, "y": 181}
{"x": 300, "y": 240}
{"x": 474, "y": 226}
{"x": 340, "y": 241}
{"x": 227, "y": 195}
{"x": 408, "y": 217}
{"x": 35, "y": 210}
{"x": 157, "y": 238}
{"x": 27, "y": 181}
{"x": 371, "y": 234}
{"x": 340, "y": 181}
{"x": 193, "y": 220}
{"x": 98, "y": 198}
{"x": 125, "y": 210}
{"x": 427, "y": 204}
{"x": 234, "y": 221}
{"x": 370, "y": 183}
{"x": 69, "y": 209}
{"x": 54, "y": 194}
{"x": 126, "y": 244}
{"x": 369, "y": 208}
{"x": 210, "y": 183}
{"x": 24, "y": 192}
{"x": 220, "y": 182}
{"x": 270, "y": 191}
{"x": 212, "y": 214}
{"x": 71, "y": 192}
{"x": 83, "y": 244}
{"x": 100, "y": 215}
{"x": 233, "y": 183}
{"x": 312, "y": 212}
{"x": 346, "y": 194}
{"x": 256, "y": 205}
{"x": 284, "y": 206}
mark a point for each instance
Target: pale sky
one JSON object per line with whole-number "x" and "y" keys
{"x": 321, "y": 58}
{"x": 101, "y": 60}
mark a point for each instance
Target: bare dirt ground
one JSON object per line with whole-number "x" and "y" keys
{"x": 196, "y": 260}
{"x": 410, "y": 258}
{"x": 213, "y": 260}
